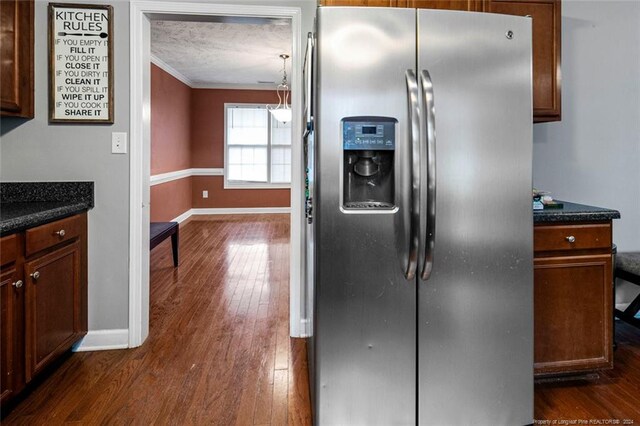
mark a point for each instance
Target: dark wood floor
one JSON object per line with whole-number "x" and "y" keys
{"x": 219, "y": 351}
{"x": 615, "y": 395}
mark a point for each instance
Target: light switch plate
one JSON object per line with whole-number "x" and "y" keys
{"x": 119, "y": 143}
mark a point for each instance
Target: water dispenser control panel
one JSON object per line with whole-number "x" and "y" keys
{"x": 368, "y": 145}
{"x": 362, "y": 134}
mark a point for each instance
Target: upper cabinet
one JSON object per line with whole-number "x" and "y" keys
{"x": 16, "y": 58}
{"x": 473, "y": 5}
{"x": 545, "y": 15}
{"x": 468, "y": 5}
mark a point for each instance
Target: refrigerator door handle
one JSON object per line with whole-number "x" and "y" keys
{"x": 308, "y": 91}
{"x": 414, "y": 159}
{"x": 430, "y": 132}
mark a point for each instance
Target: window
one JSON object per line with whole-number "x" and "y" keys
{"x": 257, "y": 148}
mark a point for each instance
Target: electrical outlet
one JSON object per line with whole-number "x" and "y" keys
{"x": 119, "y": 143}
{"x": 205, "y": 194}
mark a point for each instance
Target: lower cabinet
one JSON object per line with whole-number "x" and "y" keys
{"x": 8, "y": 301}
{"x": 43, "y": 295}
{"x": 573, "y": 299}
{"x": 52, "y": 322}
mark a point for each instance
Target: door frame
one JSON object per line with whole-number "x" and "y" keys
{"x": 139, "y": 155}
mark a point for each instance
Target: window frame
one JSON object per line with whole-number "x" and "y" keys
{"x": 249, "y": 184}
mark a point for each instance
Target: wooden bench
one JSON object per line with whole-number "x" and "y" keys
{"x": 628, "y": 269}
{"x": 160, "y": 231}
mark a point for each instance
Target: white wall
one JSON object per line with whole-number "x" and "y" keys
{"x": 34, "y": 150}
{"x": 593, "y": 155}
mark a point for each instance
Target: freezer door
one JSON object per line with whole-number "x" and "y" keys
{"x": 365, "y": 324}
{"x": 475, "y": 328}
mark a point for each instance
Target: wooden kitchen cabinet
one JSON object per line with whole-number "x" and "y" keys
{"x": 573, "y": 298}
{"x": 546, "y": 43}
{"x": 365, "y": 3}
{"x": 52, "y": 297}
{"x": 46, "y": 313}
{"x": 8, "y": 302}
{"x": 16, "y": 58}
{"x": 473, "y": 5}
{"x": 546, "y": 28}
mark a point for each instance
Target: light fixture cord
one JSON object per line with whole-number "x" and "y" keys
{"x": 284, "y": 86}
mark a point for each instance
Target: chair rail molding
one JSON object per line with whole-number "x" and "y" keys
{"x": 181, "y": 174}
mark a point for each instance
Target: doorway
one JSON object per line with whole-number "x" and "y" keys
{"x": 141, "y": 15}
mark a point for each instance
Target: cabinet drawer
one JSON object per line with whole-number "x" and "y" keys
{"x": 8, "y": 249}
{"x": 53, "y": 233}
{"x": 571, "y": 237}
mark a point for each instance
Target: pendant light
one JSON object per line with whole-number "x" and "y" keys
{"x": 282, "y": 112}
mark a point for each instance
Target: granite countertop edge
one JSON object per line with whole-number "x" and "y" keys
{"x": 41, "y": 216}
{"x": 572, "y": 212}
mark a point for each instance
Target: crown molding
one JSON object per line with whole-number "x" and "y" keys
{"x": 170, "y": 70}
{"x": 230, "y": 86}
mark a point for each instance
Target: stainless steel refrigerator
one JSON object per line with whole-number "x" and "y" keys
{"x": 422, "y": 220}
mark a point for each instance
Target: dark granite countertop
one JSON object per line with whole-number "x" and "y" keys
{"x": 27, "y": 204}
{"x": 572, "y": 212}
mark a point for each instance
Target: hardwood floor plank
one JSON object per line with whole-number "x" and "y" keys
{"x": 298, "y": 408}
{"x": 615, "y": 395}
{"x": 280, "y": 398}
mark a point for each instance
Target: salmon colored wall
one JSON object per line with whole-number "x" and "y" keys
{"x": 207, "y": 150}
{"x": 220, "y": 197}
{"x": 207, "y": 121}
{"x": 187, "y": 131}
{"x": 170, "y": 144}
{"x": 170, "y": 199}
{"x": 170, "y": 123}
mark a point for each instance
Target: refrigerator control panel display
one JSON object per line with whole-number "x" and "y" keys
{"x": 366, "y": 133}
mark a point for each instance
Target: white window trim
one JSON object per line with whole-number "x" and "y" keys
{"x": 249, "y": 185}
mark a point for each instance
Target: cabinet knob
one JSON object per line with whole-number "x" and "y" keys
{"x": 571, "y": 239}
{"x": 18, "y": 284}
{"x": 35, "y": 275}
{"x": 60, "y": 233}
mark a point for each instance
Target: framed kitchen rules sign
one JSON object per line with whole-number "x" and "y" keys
{"x": 80, "y": 63}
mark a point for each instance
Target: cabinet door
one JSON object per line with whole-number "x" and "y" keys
{"x": 365, "y": 3}
{"x": 52, "y": 313}
{"x": 9, "y": 286}
{"x": 573, "y": 298}
{"x": 472, "y": 5}
{"x": 468, "y": 5}
{"x": 546, "y": 51}
{"x": 16, "y": 58}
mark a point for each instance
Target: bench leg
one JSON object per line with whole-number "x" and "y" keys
{"x": 174, "y": 247}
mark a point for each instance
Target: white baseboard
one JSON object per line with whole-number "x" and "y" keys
{"x": 241, "y": 210}
{"x": 102, "y": 340}
{"x": 231, "y": 210}
{"x": 184, "y": 216}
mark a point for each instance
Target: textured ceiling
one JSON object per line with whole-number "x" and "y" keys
{"x": 223, "y": 53}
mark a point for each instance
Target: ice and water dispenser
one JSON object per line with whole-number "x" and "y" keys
{"x": 368, "y": 175}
